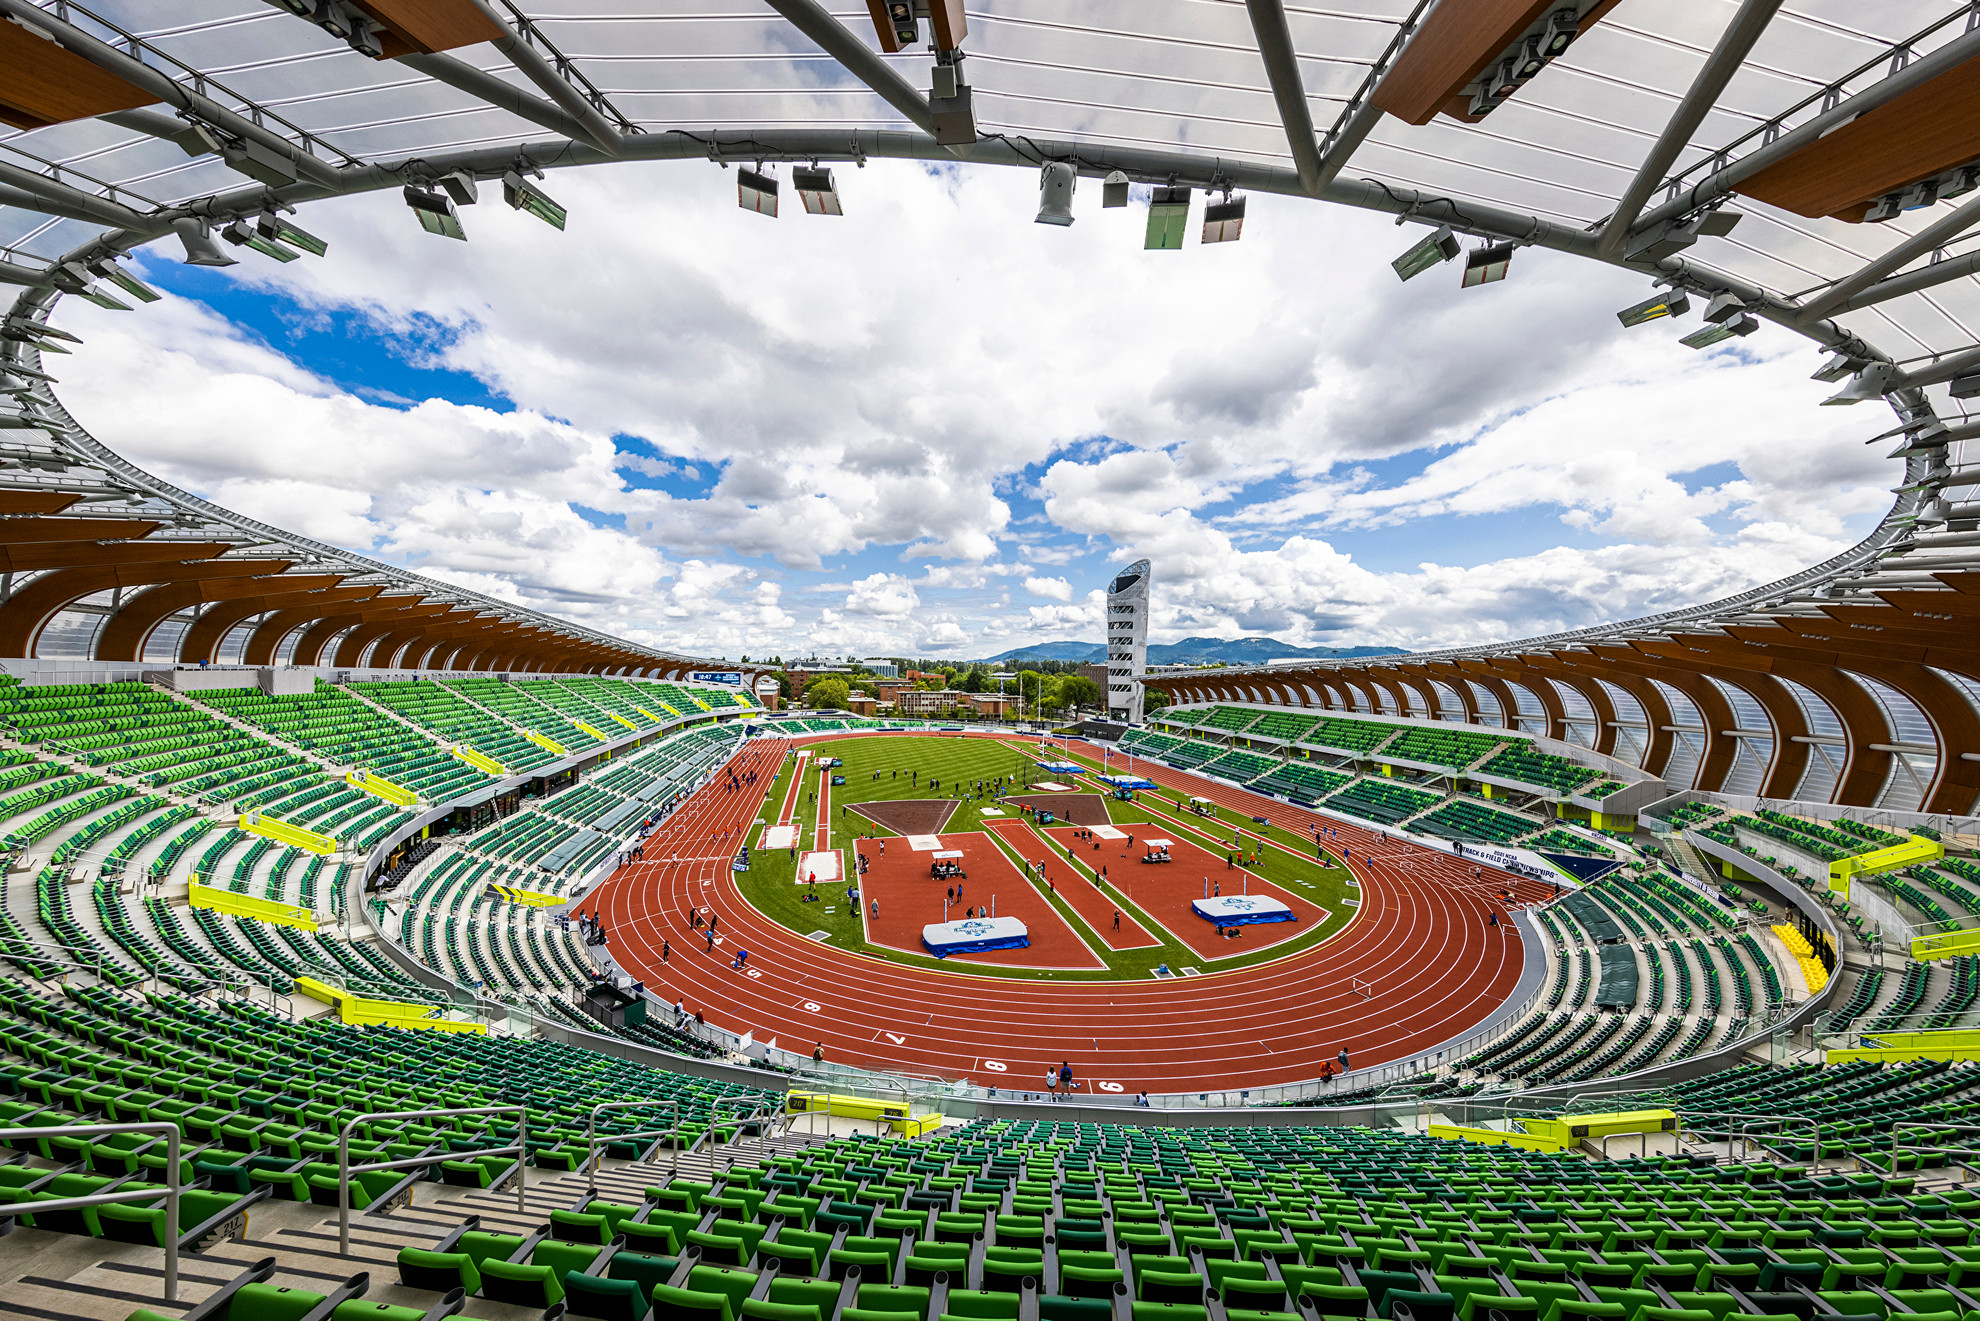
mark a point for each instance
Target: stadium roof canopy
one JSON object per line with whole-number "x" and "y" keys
{"x": 1804, "y": 163}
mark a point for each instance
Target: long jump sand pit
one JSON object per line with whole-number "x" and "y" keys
{"x": 909, "y": 816}
{"x": 910, "y": 899}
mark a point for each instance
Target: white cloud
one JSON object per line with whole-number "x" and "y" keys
{"x": 1053, "y": 589}
{"x": 885, "y": 594}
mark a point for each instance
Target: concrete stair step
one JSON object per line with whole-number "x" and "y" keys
{"x": 63, "y": 1277}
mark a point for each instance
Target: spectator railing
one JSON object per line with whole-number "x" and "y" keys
{"x": 592, "y": 1142}
{"x": 168, "y": 1131}
{"x": 345, "y": 1169}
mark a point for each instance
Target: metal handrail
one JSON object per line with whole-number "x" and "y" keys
{"x": 165, "y": 1128}
{"x": 592, "y": 1144}
{"x": 1899, "y": 1146}
{"x": 94, "y": 963}
{"x": 345, "y": 1169}
{"x": 758, "y": 1109}
{"x": 1685, "y": 1118}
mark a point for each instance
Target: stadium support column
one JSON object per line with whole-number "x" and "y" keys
{"x": 1127, "y": 641}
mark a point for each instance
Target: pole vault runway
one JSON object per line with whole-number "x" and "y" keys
{"x": 1420, "y": 938}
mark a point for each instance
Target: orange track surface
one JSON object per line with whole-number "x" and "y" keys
{"x": 1420, "y": 939}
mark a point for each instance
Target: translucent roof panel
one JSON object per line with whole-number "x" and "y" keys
{"x": 1182, "y": 78}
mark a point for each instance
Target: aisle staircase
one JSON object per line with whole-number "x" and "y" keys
{"x": 64, "y": 1277}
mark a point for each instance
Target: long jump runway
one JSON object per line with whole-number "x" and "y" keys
{"x": 1420, "y": 939}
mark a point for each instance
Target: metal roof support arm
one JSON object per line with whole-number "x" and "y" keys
{"x": 1268, "y": 22}
{"x": 597, "y": 130}
{"x": 75, "y": 203}
{"x": 1719, "y": 67}
{"x": 1939, "y": 272}
{"x": 484, "y": 86}
{"x": 1935, "y": 235}
{"x": 859, "y": 59}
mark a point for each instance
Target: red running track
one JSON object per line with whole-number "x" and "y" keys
{"x": 1420, "y": 939}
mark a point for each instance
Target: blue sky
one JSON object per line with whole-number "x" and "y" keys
{"x": 933, "y": 427}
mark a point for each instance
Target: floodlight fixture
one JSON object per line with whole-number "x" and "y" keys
{"x": 342, "y": 20}
{"x": 242, "y": 237}
{"x": 109, "y": 270}
{"x": 1958, "y": 183}
{"x": 756, "y": 191}
{"x": 1724, "y": 307}
{"x": 258, "y": 161}
{"x": 1869, "y": 383}
{"x": 1719, "y": 222}
{"x": 276, "y": 229}
{"x": 1840, "y": 363}
{"x": 1487, "y": 265}
{"x": 1719, "y": 331}
{"x": 11, "y": 367}
{"x": 901, "y": 18}
{"x": 462, "y": 186}
{"x": 1674, "y": 303}
{"x": 74, "y": 278}
{"x": 27, "y": 329}
{"x": 23, "y": 330}
{"x": 817, "y": 190}
{"x": 1114, "y": 190}
{"x": 1434, "y": 250}
{"x": 1168, "y": 217}
{"x": 954, "y": 115}
{"x": 1223, "y": 222}
{"x": 1506, "y": 81}
{"x": 1055, "y": 193}
{"x": 1484, "y": 100}
{"x": 102, "y": 298}
{"x": 435, "y": 211}
{"x": 1530, "y": 60}
{"x": 523, "y": 195}
{"x": 200, "y": 248}
{"x": 1560, "y": 33}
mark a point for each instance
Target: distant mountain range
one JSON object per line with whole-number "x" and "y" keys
{"x": 1195, "y": 651}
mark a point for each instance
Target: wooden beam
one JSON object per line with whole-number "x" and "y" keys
{"x": 16, "y": 531}
{"x": 91, "y": 554}
{"x": 202, "y": 641}
{"x": 27, "y": 610}
{"x": 1455, "y": 44}
{"x": 125, "y": 633}
{"x": 883, "y": 26}
{"x": 35, "y": 502}
{"x": 42, "y": 84}
{"x": 951, "y": 26}
{"x": 1930, "y": 128}
{"x": 422, "y": 27}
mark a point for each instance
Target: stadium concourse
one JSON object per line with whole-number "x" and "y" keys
{"x": 1432, "y": 964}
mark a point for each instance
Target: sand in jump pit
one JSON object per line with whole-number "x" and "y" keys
{"x": 909, "y": 816}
